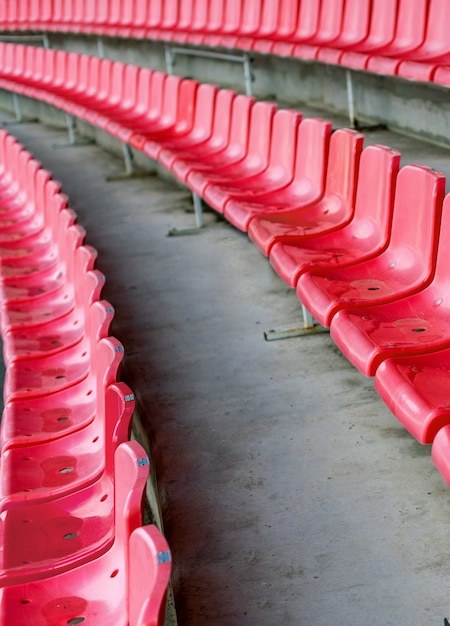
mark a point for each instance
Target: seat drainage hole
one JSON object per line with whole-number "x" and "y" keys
{"x": 66, "y": 470}
{"x": 372, "y": 288}
{"x": 418, "y": 330}
{"x": 25, "y": 601}
{"x": 114, "y": 573}
{"x": 70, "y": 536}
{"x": 62, "y": 419}
{"x": 76, "y": 620}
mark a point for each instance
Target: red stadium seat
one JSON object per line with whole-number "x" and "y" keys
{"x": 403, "y": 268}
{"x": 313, "y": 205}
{"x": 412, "y": 325}
{"x": 409, "y": 36}
{"x": 201, "y": 130}
{"x": 440, "y": 452}
{"x": 234, "y": 150}
{"x": 362, "y": 238}
{"x": 435, "y": 49}
{"x": 328, "y": 31}
{"x": 255, "y": 153}
{"x": 185, "y": 162}
{"x": 306, "y": 28}
{"x": 354, "y": 30}
{"x": 277, "y": 173}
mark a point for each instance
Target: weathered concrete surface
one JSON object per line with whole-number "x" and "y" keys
{"x": 289, "y": 492}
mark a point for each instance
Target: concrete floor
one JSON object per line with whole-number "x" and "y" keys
{"x": 289, "y": 492}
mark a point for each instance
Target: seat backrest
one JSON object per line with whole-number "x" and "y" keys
{"x": 204, "y": 110}
{"x": 383, "y": 23}
{"x": 416, "y": 221}
{"x": 355, "y": 22}
{"x": 222, "y": 118}
{"x": 442, "y": 275}
{"x": 343, "y": 164}
{"x": 261, "y": 119}
{"x": 378, "y": 170}
{"x": 232, "y": 17}
{"x": 283, "y": 139}
{"x": 251, "y": 17}
{"x": 307, "y": 21}
{"x": 278, "y": 19}
{"x": 330, "y": 22}
{"x": 311, "y": 154}
{"x": 216, "y": 12}
{"x": 437, "y": 43}
{"x": 149, "y": 576}
{"x": 187, "y": 96}
{"x": 183, "y": 17}
{"x": 410, "y": 27}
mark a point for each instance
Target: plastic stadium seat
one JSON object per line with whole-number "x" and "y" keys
{"x": 173, "y": 125}
{"x": 33, "y": 473}
{"x": 254, "y": 150}
{"x": 328, "y": 31}
{"x": 409, "y": 36}
{"x": 125, "y": 586}
{"x": 306, "y": 182}
{"x": 435, "y": 49}
{"x": 403, "y": 268}
{"x": 362, "y": 238}
{"x": 354, "y": 30}
{"x": 278, "y": 170}
{"x": 233, "y": 152}
{"x": 185, "y": 162}
{"x": 415, "y": 388}
{"x": 306, "y": 28}
{"x": 383, "y": 21}
{"x": 442, "y": 75}
{"x": 278, "y": 23}
{"x": 330, "y": 207}
{"x": 72, "y": 587}
{"x": 149, "y": 563}
{"x": 413, "y": 325}
{"x": 440, "y": 452}
{"x": 201, "y": 129}
{"x": 145, "y": 101}
{"x": 232, "y": 17}
{"x": 50, "y": 373}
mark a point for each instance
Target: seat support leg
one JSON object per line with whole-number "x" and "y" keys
{"x": 309, "y": 327}
{"x": 198, "y": 210}
{"x": 130, "y": 171}
{"x": 354, "y": 122}
{"x": 18, "y": 119}
{"x": 71, "y": 132}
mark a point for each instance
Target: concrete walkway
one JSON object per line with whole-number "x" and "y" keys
{"x": 290, "y": 494}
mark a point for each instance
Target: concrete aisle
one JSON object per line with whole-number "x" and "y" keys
{"x": 290, "y": 494}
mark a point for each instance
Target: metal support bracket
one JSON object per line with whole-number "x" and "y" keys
{"x": 198, "y": 210}
{"x": 18, "y": 119}
{"x": 309, "y": 327}
{"x": 354, "y": 122}
{"x": 100, "y": 47}
{"x": 130, "y": 171}
{"x": 172, "y": 52}
{"x": 73, "y": 139}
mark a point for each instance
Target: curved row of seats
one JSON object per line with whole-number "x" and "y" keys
{"x": 358, "y": 236}
{"x": 407, "y": 38}
{"x": 72, "y": 546}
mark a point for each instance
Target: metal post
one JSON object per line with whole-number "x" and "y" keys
{"x": 45, "y": 40}
{"x": 309, "y": 327}
{"x": 350, "y": 99}
{"x": 198, "y": 210}
{"x": 248, "y": 78}
{"x": 170, "y": 60}
{"x": 16, "y": 105}
{"x": 100, "y": 48}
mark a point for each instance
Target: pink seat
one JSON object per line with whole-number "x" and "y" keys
{"x": 255, "y": 153}
{"x": 96, "y": 588}
{"x": 278, "y": 170}
{"x": 331, "y": 204}
{"x": 306, "y": 27}
{"x": 435, "y": 49}
{"x": 383, "y": 21}
{"x": 64, "y": 465}
{"x": 201, "y": 128}
{"x": 184, "y": 161}
{"x": 403, "y": 268}
{"x": 440, "y": 452}
{"x": 305, "y": 162}
{"x": 415, "y": 388}
{"x": 328, "y": 31}
{"x": 409, "y": 36}
{"x": 412, "y": 325}
{"x": 174, "y": 125}
{"x": 354, "y": 30}
{"x": 278, "y": 23}
{"x": 365, "y": 236}
{"x": 442, "y": 75}
{"x": 51, "y": 373}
